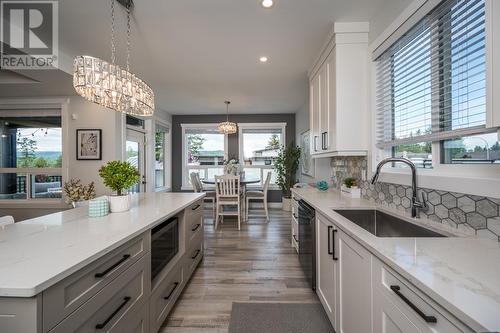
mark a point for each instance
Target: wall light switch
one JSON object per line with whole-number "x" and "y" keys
{"x": 74, "y": 116}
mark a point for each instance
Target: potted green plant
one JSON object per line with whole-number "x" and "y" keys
{"x": 286, "y": 165}
{"x": 119, "y": 176}
{"x": 350, "y": 187}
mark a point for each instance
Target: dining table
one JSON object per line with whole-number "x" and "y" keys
{"x": 244, "y": 181}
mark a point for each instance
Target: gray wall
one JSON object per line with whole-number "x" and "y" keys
{"x": 288, "y": 118}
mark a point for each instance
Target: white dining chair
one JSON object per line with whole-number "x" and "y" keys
{"x": 5, "y": 220}
{"x": 259, "y": 196}
{"x": 198, "y": 188}
{"x": 227, "y": 191}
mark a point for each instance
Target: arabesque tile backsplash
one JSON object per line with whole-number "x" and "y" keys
{"x": 469, "y": 213}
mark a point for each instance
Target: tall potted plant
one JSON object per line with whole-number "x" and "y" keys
{"x": 286, "y": 165}
{"x": 119, "y": 176}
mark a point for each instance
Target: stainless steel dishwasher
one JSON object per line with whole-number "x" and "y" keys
{"x": 307, "y": 242}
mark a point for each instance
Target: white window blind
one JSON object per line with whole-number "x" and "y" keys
{"x": 431, "y": 83}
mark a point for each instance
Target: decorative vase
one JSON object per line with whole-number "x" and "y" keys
{"x": 287, "y": 204}
{"x": 77, "y": 204}
{"x": 119, "y": 203}
{"x": 353, "y": 191}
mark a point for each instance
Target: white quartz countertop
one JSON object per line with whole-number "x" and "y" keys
{"x": 35, "y": 254}
{"x": 462, "y": 274}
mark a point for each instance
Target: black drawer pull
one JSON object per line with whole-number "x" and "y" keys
{"x": 329, "y": 239}
{"x": 195, "y": 254}
{"x": 171, "y": 291}
{"x": 195, "y": 207}
{"x": 295, "y": 199}
{"x": 196, "y": 227}
{"x": 102, "y": 325}
{"x": 295, "y": 215}
{"x": 110, "y": 268}
{"x": 334, "y": 256}
{"x": 428, "y": 319}
{"x": 295, "y": 237}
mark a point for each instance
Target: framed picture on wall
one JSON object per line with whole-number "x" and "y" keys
{"x": 307, "y": 162}
{"x": 88, "y": 144}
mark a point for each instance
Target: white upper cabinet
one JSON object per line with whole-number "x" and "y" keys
{"x": 339, "y": 99}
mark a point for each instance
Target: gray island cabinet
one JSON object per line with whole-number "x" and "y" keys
{"x": 101, "y": 281}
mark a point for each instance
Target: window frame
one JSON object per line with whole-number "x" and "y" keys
{"x": 167, "y": 156}
{"x": 241, "y": 128}
{"x": 41, "y": 104}
{"x": 478, "y": 179}
{"x": 185, "y": 186}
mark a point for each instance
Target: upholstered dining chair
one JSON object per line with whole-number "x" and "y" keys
{"x": 228, "y": 193}
{"x": 259, "y": 196}
{"x": 5, "y": 220}
{"x": 198, "y": 187}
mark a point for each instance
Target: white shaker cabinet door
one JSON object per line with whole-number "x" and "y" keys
{"x": 326, "y": 267}
{"x": 355, "y": 286}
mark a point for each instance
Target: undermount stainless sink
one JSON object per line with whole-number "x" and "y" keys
{"x": 381, "y": 224}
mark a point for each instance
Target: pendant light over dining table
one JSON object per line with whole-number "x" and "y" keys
{"x": 227, "y": 127}
{"x": 108, "y": 84}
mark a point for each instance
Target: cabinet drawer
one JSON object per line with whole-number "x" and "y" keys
{"x": 192, "y": 257}
{"x": 412, "y": 303}
{"x": 193, "y": 226}
{"x": 164, "y": 297}
{"x": 194, "y": 209}
{"x": 114, "y": 308}
{"x": 69, "y": 294}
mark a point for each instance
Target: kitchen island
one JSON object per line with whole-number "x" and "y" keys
{"x": 66, "y": 272}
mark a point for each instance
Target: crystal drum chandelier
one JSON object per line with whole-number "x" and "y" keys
{"x": 227, "y": 127}
{"x": 108, "y": 84}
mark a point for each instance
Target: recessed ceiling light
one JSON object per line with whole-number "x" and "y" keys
{"x": 267, "y": 3}
{"x": 263, "y": 59}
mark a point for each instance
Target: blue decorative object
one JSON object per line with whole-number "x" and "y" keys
{"x": 322, "y": 185}
{"x": 98, "y": 207}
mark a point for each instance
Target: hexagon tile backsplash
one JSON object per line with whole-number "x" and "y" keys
{"x": 470, "y": 213}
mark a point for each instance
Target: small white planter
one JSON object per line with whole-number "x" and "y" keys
{"x": 287, "y": 204}
{"x": 119, "y": 203}
{"x": 353, "y": 192}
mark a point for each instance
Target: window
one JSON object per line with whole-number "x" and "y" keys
{"x": 160, "y": 155}
{"x": 259, "y": 147}
{"x": 431, "y": 89}
{"x": 204, "y": 151}
{"x": 30, "y": 154}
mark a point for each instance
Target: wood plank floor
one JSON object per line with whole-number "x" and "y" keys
{"x": 256, "y": 264}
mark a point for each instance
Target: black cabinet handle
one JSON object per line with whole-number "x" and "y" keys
{"x": 176, "y": 284}
{"x": 329, "y": 239}
{"x": 428, "y": 319}
{"x": 295, "y": 199}
{"x": 103, "y": 324}
{"x": 195, "y": 207}
{"x": 295, "y": 215}
{"x": 195, "y": 227}
{"x": 195, "y": 254}
{"x": 295, "y": 237}
{"x": 334, "y": 256}
{"x": 110, "y": 268}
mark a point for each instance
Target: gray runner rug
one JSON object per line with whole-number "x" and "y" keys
{"x": 279, "y": 318}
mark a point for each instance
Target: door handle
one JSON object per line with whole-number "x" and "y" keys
{"x": 315, "y": 143}
{"x": 334, "y": 256}
{"x": 104, "y": 323}
{"x": 428, "y": 319}
{"x": 329, "y": 239}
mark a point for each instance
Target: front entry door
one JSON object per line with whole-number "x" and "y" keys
{"x": 136, "y": 155}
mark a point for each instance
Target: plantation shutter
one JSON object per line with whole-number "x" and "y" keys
{"x": 431, "y": 83}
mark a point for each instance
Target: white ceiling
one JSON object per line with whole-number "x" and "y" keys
{"x": 197, "y": 53}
